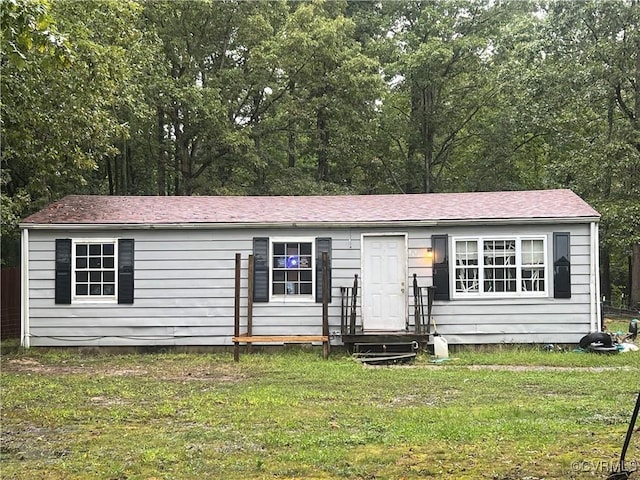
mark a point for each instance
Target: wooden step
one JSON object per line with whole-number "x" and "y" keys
{"x": 388, "y": 359}
{"x": 384, "y": 347}
{"x": 280, "y": 338}
{"x": 384, "y": 353}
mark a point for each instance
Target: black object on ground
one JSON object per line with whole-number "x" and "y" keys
{"x": 599, "y": 342}
{"x": 622, "y": 473}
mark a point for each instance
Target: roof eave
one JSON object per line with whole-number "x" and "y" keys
{"x": 342, "y": 224}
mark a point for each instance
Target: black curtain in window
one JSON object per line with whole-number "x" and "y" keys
{"x": 322, "y": 245}
{"x": 261, "y": 269}
{"x": 561, "y": 265}
{"x": 63, "y": 271}
{"x": 125, "y": 270}
{"x": 440, "y": 251}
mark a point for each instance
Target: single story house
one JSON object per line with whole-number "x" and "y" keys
{"x": 507, "y": 267}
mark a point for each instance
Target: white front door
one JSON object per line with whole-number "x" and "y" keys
{"x": 384, "y": 278}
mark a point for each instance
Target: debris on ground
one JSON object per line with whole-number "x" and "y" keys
{"x": 605, "y": 342}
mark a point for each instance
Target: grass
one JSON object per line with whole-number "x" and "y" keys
{"x": 510, "y": 414}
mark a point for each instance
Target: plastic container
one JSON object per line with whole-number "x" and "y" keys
{"x": 440, "y": 347}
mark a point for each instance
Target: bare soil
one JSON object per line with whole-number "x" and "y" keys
{"x": 195, "y": 373}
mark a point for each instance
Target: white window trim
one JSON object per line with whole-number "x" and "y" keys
{"x": 293, "y": 298}
{"x": 518, "y": 253}
{"x": 90, "y": 299}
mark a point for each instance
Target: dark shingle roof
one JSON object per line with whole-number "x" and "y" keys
{"x": 346, "y": 209}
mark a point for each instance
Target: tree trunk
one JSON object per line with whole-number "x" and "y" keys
{"x": 259, "y": 180}
{"x": 110, "y": 176}
{"x": 428, "y": 135}
{"x": 422, "y": 140}
{"x": 161, "y": 161}
{"x": 635, "y": 277}
{"x": 185, "y": 169}
{"x": 414, "y": 141}
{"x": 177, "y": 164}
{"x": 605, "y": 275}
{"x": 182, "y": 157}
{"x": 116, "y": 174}
{"x": 186, "y": 164}
{"x": 323, "y": 144}
{"x": 292, "y": 153}
{"x": 125, "y": 168}
{"x": 637, "y": 82}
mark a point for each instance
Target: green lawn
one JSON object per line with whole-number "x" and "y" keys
{"x": 510, "y": 414}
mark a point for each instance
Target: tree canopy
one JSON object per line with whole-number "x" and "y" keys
{"x": 280, "y": 97}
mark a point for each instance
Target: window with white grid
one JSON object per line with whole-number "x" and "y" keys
{"x": 500, "y": 266}
{"x": 533, "y": 265}
{"x": 94, "y": 269}
{"x": 292, "y": 268}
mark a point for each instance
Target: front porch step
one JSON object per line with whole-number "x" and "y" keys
{"x": 384, "y": 347}
{"x": 387, "y": 359}
{"x": 376, "y": 342}
{"x": 385, "y": 353}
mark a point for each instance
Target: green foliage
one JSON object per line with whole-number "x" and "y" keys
{"x": 59, "y": 92}
{"x": 28, "y": 27}
{"x": 589, "y": 94}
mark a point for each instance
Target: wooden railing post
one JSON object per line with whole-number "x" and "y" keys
{"x": 431, "y": 293}
{"x": 425, "y": 327}
{"x": 325, "y": 304}
{"x": 344, "y": 292}
{"x": 416, "y": 306}
{"x": 236, "y": 311}
{"x": 250, "y": 268}
{"x": 354, "y": 295}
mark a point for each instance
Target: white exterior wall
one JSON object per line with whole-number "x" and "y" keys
{"x": 184, "y": 290}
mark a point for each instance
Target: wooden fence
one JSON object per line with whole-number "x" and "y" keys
{"x": 10, "y": 300}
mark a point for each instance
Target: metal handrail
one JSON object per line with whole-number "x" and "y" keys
{"x": 348, "y": 308}
{"x": 418, "y": 306}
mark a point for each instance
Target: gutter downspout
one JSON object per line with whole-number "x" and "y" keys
{"x": 594, "y": 284}
{"x": 25, "y": 334}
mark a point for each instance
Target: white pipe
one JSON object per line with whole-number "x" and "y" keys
{"x": 24, "y": 291}
{"x": 594, "y": 287}
{"x": 597, "y": 269}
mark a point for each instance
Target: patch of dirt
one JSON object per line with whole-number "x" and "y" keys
{"x": 515, "y": 368}
{"x": 33, "y": 366}
{"x": 101, "y": 401}
{"x": 32, "y": 442}
{"x": 198, "y": 373}
{"x": 542, "y": 368}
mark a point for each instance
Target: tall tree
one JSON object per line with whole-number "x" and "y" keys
{"x": 327, "y": 88}
{"x": 30, "y": 45}
{"x": 214, "y": 91}
{"x": 59, "y": 87}
{"x": 593, "y": 55}
{"x": 445, "y": 57}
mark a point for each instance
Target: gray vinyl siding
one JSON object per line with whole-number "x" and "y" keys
{"x": 524, "y": 319}
{"x": 184, "y": 291}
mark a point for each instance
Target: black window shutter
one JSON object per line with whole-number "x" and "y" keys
{"x": 125, "y": 270}
{"x": 322, "y": 245}
{"x": 261, "y": 269}
{"x": 561, "y": 265}
{"x": 440, "y": 250}
{"x": 63, "y": 271}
